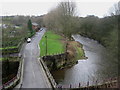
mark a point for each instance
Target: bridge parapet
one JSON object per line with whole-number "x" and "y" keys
{"x": 14, "y": 81}
{"x": 50, "y": 77}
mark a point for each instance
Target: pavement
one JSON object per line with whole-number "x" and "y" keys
{"x": 33, "y": 74}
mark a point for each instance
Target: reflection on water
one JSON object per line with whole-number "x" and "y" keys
{"x": 85, "y": 70}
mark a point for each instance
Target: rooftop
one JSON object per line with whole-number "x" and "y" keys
{"x": 34, "y": 24}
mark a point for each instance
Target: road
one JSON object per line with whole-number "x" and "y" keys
{"x": 33, "y": 73}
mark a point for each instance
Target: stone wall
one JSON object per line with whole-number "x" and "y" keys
{"x": 9, "y": 70}
{"x": 49, "y": 76}
{"x": 58, "y": 61}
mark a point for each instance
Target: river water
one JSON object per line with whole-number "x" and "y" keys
{"x": 92, "y": 69}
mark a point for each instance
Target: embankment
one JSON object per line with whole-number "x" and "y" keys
{"x": 59, "y": 61}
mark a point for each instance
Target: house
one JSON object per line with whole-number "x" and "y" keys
{"x": 35, "y": 26}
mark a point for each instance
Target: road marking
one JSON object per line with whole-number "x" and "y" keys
{"x": 24, "y": 55}
{"x": 33, "y": 74}
{"x": 31, "y": 51}
{"x": 39, "y": 49}
{"x": 33, "y": 71}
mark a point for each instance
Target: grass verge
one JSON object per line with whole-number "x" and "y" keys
{"x": 80, "y": 52}
{"x": 8, "y": 58}
{"x": 54, "y": 44}
{"x": 12, "y": 47}
{"x": 75, "y": 50}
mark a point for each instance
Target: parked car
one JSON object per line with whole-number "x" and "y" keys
{"x": 41, "y": 29}
{"x": 28, "y": 40}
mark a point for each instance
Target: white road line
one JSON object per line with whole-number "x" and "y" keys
{"x": 34, "y": 74}
{"x": 33, "y": 71}
{"x": 31, "y": 51}
{"x": 24, "y": 55}
{"x": 38, "y": 50}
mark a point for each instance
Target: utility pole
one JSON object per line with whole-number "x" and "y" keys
{"x": 46, "y": 44}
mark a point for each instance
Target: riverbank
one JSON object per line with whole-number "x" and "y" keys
{"x": 75, "y": 50}
{"x": 59, "y": 53}
{"x": 95, "y": 68}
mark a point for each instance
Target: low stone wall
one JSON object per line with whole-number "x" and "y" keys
{"x": 107, "y": 85}
{"x": 50, "y": 77}
{"x": 54, "y": 61}
{"x": 9, "y": 69}
{"x": 14, "y": 81}
{"x": 58, "y": 61}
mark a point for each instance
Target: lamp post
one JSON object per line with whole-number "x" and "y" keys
{"x": 66, "y": 46}
{"x": 46, "y": 44}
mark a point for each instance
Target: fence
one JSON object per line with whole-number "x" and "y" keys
{"x": 50, "y": 77}
{"x": 113, "y": 83}
{"x": 15, "y": 80}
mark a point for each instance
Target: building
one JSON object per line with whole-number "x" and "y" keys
{"x": 35, "y": 26}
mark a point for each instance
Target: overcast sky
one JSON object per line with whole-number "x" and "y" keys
{"x": 39, "y": 7}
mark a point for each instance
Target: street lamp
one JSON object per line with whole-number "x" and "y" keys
{"x": 66, "y": 46}
{"x": 46, "y": 44}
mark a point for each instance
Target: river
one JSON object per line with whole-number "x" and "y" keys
{"x": 92, "y": 69}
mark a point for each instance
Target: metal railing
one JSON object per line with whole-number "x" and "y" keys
{"x": 109, "y": 84}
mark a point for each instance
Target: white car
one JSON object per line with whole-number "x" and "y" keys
{"x": 28, "y": 40}
{"x": 41, "y": 29}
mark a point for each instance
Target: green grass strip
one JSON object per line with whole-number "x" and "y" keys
{"x": 8, "y": 58}
{"x": 54, "y": 44}
{"x": 9, "y": 47}
{"x": 80, "y": 52}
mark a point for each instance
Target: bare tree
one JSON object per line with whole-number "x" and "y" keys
{"x": 66, "y": 12}
{"x": 61, "y": 18}
{"x": 115, "y": 10}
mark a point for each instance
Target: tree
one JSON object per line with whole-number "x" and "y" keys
{"x": 66, "y": 13}
{"x": 30, "y": 26}
{"x": 115, "y": 10}
{"x": 62, "y": 18}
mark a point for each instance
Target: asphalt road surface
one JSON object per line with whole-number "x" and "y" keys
{"x": 33, "y": 73}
